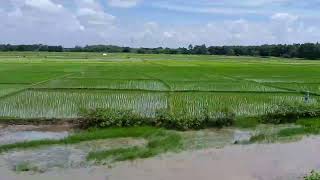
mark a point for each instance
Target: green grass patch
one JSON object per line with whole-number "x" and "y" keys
{"x": 314, "y": 122}
{"x": 259, "y": 138}
{"x": 247, "y": 122}
{"x": 89, "y": 135}
{"x": 293, "y": 132}
{"x": 302, "y": 127}
{"x": 308, "y": 127}
{"x": 314, "y": 175}
{"x": 25, "y": 167}
{"x": 160, "y": 142}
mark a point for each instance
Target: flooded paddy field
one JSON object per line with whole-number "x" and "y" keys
{"x": 187, "y": 92}
{"x": 18, "y": 133}
{"x": 242, "y": 162}
{"x": 222, "y": 154}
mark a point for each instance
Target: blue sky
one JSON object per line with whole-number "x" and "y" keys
{"x": 153, "y": 23}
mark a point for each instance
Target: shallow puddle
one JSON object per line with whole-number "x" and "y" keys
{"x": 22, "y": 133}
{"x": 218, "y": 159}
{"x": 289, "y": 161}
{"x": 63, "y": 156}
{"x": 215, "y": 138}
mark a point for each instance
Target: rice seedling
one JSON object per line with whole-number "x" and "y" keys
{"x": 147, "y": 83}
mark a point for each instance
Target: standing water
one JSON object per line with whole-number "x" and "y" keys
{"x": 14, "y": 134}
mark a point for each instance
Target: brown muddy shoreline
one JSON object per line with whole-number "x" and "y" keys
{"x": 75, "y": 122}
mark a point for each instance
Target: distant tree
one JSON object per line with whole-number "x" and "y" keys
{"x": 307, "y": 50}
{"x": 141, "y": 51}
{"x": 190, "y": 49}
{"x": 126, "y": 49}
{"x": 230, "y": 52}
{"x": 200, "y": 49}
{"x": 183, "y": 51}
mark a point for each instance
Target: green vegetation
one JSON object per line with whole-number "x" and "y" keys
{"x": 158, "y": 143}
{"x": 306, "y": 50}
{"x": 25, "y": 167}
{"x": 171, "y": 91}
{"x": 88, "y": 135}
{"x": 290, "y": 113}
{"x": 313, "y": 176}
{"x": 102, "y": 118}
{"x": 309, "y": 126}
{"x": 247, "y": 122}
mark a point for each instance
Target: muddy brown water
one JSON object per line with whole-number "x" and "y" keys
{"x": 287, "y": 161}
{"x": 20, "y": 133}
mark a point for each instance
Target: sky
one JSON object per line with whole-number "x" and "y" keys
{"x": 154, "y": 23}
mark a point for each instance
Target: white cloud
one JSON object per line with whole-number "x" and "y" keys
{"x": 243, "y": 7}
{"x": 81, "y": 22}
{"x": 90, "y": 18}
{"x": 206, "y": 9}
{"x": 124, "y": 3}
{"x": 284, "y": 17}
{"x": 168, "y": 34}
{"x": 45, "y": 5}
{"x": 227, "y": 32}
{"x": 94, "y": 19}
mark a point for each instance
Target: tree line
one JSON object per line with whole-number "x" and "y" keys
{"x": 306, "y": 50}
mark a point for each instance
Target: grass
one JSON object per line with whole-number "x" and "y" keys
{"x": 25, "y": 167}
{"x": 307, "y": 127}
{"x": 183, "y": 84}
{"x": 303, "y": 127}
{"x": 67, "y": 103}
{"x": 159, "y": 143}
{"x": 247, "y": 122}
{"x": 89, "y": 135}
{"x": 314, "y": 175}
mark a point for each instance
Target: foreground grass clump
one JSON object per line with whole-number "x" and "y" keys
{"x": 307, "y": 127}
{"x": 300, "y": 128}
{"x": 313, "y": 176}
{"x": 102, "y": 118}
{"x": 158, "y": 143}
{"x": 247, "y": 122}
{"x": 88, "y": 135}
{"x": 25, "y": 167}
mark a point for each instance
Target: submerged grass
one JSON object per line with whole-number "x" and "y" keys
{"x": 89, "y": 135}
{"x": 301, "y": 128}
{"x": 159, "y": 143}
{"x": 307, "y": 127}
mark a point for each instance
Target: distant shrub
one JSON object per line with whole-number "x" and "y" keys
{"x": 101, "y": 118}
{"x": 169, "y": 120}
{"x": 290, "y": 113}
{"x": 225, "y": 118}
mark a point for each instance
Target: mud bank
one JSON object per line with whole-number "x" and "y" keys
{"x": 239, "y": 162}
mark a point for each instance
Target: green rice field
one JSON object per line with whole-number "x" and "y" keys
{"x": 59, "y": 85}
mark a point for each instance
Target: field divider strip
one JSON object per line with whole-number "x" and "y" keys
{"x": 34, "y": 84}
{"x": 165, "y": 91}
{"x": 1, "y": 83}
{"x": 160, "y": 80}
{"x": 268, "y": 85}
